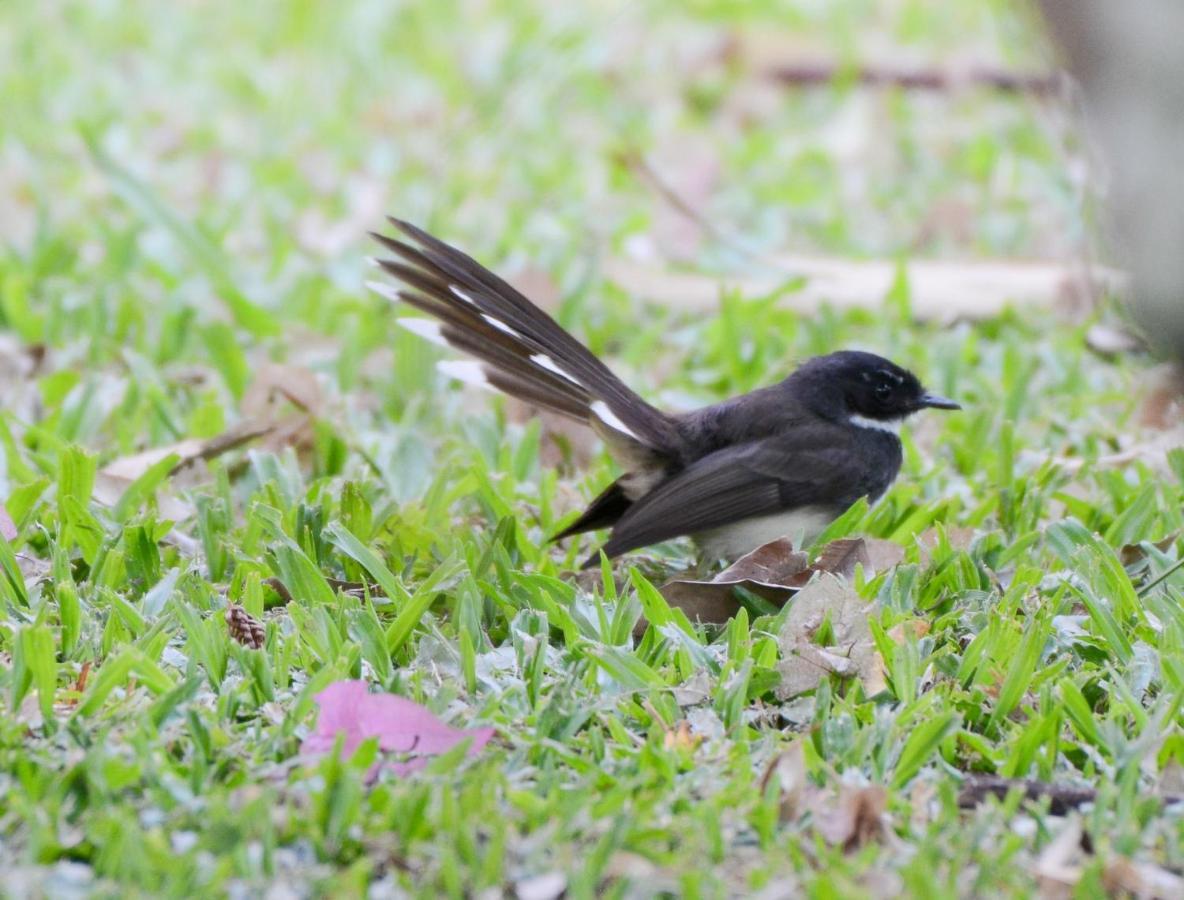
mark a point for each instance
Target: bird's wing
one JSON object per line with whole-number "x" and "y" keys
{"x": 737, "y": 483}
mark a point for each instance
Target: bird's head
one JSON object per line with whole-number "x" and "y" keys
{"x": 870, "y": 387}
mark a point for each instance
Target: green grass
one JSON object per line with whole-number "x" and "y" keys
{"x": 184, "y": 191}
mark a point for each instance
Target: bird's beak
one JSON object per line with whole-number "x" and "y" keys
{"x": 936, "y": 401}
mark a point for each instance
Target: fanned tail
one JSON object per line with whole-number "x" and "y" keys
{"x": 518, "y": 348}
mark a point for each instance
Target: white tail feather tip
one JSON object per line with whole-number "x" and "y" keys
{"x": 545, "y": 362}
{"x": 383, "y": 290}
{"x": 608, "y": 417}
{"x": 464, "y": 370}
{"x": 425, "y": 328}
{"x": 499, "y": 325}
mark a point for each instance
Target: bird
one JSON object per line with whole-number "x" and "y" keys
{"x": 783, "y": 460}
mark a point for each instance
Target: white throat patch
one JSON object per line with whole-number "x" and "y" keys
{"x": 892, "y": 426}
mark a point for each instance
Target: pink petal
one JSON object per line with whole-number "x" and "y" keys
{"x": 400, "y": 725}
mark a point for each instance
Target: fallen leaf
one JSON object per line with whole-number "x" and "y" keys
{"x": 1058, "y": 868}
{"x": 900, "y": 632}
{"x": 852, "y": 654}
{"x": 1132, "y": 554}
{"x": 842, "y": 556}
{"x": 772, "y": 571}
{"x": 400, "y": 725}
{"x": 1113, "y": 340}
{"x": 116, "y": 477}
{"x": 547, "y": 886}
{"x": 788, "y": 772}
{"x": 856, "y": 819}
{"x": 958, "y": 537}
{"x": 775, "y": 572}
{"x": 680, "y": 737}
{"x": 1162, "y": 405}
{"x": 1123, "y": 876}
{"x": 274, "y": 387}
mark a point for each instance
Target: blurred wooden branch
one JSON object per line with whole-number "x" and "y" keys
{"x": 941, "y": 290}
{"x": 808, "y": 74}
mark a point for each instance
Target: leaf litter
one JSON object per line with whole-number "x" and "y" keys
{"x": 775, "y": 572}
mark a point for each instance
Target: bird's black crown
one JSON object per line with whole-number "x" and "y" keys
{"x": 852, "y": 382}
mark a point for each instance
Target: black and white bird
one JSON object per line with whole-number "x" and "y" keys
{"x": 784, "y": 460}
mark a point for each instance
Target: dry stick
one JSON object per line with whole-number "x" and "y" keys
{"x": 350, "y": 587}
{"x": 807, "y": 74}
{"x": 1062, "y": 797}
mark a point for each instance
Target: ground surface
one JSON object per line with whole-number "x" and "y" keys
{"x": 184, "y": 191}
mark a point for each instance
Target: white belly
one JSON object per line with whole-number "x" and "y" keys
{"x": 732, "y": 541}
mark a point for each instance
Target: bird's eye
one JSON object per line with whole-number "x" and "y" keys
{"x": 883, "y": 391}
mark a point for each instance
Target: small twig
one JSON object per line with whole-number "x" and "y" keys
{"x": 351, "y": 587}
{"x": 224, "y": 443}
{"x": 1062, "y": 797}
{"x": 810, "y": 74}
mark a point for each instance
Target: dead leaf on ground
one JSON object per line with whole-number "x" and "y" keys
{"x": 1058, "y": 868}
{"x": 855, "y": 819}
{"x": 1113, "y": 340}
{"x": 851, "y": 819}
{"x": 775, "y": 572}
{"x": 788, "y": 772}
{"x": 958, "y": 537}
{"x": 1132, "y": 554}
{"x": 841, "y": 557}
{"x": 275, "y": 387}
{"x": 1162, "y": 406}
{"x": 851, "y": 654}
{"x": 1123, "y": 876}
{"x": 771, "y": 571}
{"x": 680, "y": 737}
{"x": 940, "y": 290}
{"x": 116, "y": 477}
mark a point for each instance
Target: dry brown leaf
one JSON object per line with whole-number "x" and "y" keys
{"x": 959, "y": 538}
{"x": 1058, "y": 867}
{"x": 772, "y": 571}
{"x": 1162, "y": 406}
{"x": 1122, "y": 876}
{"x": 564, "y": 444}
{"x": 537, "y": 284}
{"x": 114, "y": 478}
{"x": 1130, "y": 554}
{"x": 852, "y": 655}
{"x": 274, "y": 387}
{"x": 788, "y": 771}
{"x": 856, "y": 819}
{"x": 680, "y": 737}
{"x": 900, "y": 632}
{"x": 940, "y": 290}
{"x": 775, "y": 572}
{"x": 842, "y": 556}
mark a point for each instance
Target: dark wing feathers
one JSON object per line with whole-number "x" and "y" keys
{"x": 731, "y": 485}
